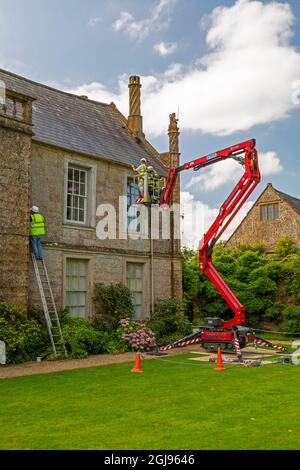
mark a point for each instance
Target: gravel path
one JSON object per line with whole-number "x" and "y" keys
{"x": 30, "y": 368}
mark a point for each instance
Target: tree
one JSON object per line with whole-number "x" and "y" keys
{"x": 265, "y": 284}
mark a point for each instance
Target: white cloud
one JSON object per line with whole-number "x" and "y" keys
{"x": 92, "y": 23}
{"x": 269, "y": 163}
{"x": 159, "y": 19}
{"x": 245, "y": 80}
{"x": 216, "y": 176}
{"x": 230, "y": 171}
{"x": 198, "y": 217}
{"x": 165, "y": 48}
{"x": 98, "y": 92}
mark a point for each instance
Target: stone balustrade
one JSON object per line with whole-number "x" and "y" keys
{"x": 16, "y": 106}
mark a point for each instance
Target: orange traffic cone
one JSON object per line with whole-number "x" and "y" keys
{"x": 137, "y": 364}
{"x": 219, "y": 361}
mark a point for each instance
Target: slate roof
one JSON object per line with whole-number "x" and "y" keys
{"x": 71, "y": 122}
{"x": 292, "y": 201}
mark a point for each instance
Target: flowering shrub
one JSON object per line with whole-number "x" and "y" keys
{"x": 168, "y": 323}
{"x": 137, "y": 336}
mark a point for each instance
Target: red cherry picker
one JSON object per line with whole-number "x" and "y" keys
{"x": 217, "y": 332}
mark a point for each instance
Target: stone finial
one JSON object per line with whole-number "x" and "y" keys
{"x": 173, "y": 132}
{"x": 173, "y": 126}
{"x": 135, "y": 120}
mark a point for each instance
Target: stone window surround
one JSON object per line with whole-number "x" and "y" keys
{"x": 90, "y": 277}
{"x": 145, "y": 263}
{"x": 269, "y": 203}
{"x": 77, "y": 292}
{"x": 140, "y": 305}
{"x": 91, "y": 190}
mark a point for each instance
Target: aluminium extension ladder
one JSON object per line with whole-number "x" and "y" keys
{"x": 49, "y": 307}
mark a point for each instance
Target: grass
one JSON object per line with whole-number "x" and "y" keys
{"x": 278, "y": 336}
{"x": 176, "y": 404}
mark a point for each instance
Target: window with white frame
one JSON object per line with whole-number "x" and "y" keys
{"x": 135, "y": 282}
{"x": 76, "y": 286}
{"x": 77, "y": 192}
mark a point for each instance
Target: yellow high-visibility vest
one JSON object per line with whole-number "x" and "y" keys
{"x": 142, "y": 171}
{"x": 37, "y": 225}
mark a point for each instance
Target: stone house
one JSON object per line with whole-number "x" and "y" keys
{"x": 68, "y": 154}
{"x": 273, "y": 216}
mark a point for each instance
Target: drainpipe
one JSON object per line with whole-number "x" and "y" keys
{"x": 151, "y": 269}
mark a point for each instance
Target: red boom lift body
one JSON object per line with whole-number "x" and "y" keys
{"x": 217, "y": 332}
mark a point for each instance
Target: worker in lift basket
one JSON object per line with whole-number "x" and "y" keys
{"x": 37, "y": 230}
{"x": 152, "y": 180}
{"x": 142, "y": 171}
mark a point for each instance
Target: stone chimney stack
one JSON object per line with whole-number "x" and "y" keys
{"x": 135, "y": 120}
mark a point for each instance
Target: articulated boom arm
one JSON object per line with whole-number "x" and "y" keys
{"x": 245, "y": 154}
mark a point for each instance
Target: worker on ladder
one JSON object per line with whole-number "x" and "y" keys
{"x": 37, "y": 230}
{"x": 142, "y": 171}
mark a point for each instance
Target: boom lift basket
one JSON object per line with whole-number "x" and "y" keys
{"x": 151, "y": 193}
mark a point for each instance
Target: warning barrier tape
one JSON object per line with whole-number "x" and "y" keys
{"x": 237, "y": 348}
{"x": 196, "y": 338}
{"x": 180, "y": 344}
{"x": 269, "y": 345}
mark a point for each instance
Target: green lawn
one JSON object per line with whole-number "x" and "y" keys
{"x": 175, "y": 404}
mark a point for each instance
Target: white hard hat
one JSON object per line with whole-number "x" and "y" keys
{"x": 150, "y": 168}
{"x": 35, "y": 209}
{"x": 143, "y": 160}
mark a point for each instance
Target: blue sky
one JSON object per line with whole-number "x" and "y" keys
{"x": 229, "y": 65}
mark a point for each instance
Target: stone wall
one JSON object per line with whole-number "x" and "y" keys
{"x": 253, "y": 230}
{"x": 107, "y": 258}
{"x": 15, "y": 170}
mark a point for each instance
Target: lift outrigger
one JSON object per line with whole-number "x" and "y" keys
{"x": 217, "y": 332}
